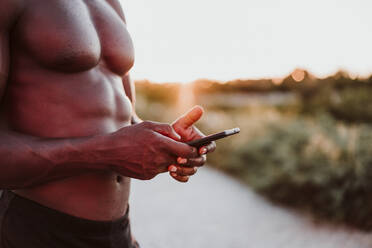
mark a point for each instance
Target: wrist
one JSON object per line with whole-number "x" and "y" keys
{"x": 111, "y": 151}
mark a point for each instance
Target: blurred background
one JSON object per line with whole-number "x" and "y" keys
{"x": 295, "y": 76}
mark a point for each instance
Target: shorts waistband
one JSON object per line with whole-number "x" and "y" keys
{"x": 34, "y": 211}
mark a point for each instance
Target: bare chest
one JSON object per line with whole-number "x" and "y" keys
{"x": 75, "y": 35}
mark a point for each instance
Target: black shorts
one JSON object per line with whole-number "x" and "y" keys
{"x": 27, "y": 224}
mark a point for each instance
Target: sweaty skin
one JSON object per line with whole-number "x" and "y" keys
{"x": 66, "y": 106}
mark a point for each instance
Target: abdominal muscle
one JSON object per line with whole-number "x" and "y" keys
{"x": 94, "y": 196}
{"x": 92, "y": 104}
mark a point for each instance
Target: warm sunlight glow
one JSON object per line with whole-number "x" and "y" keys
{"x": 186, "y": 98}
{"x": 277, "y": 81}
{"x": 224, "y": 40}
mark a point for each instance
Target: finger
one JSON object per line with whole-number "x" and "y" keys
{"x": 167, "y": 130}
{"x": 172, "y": 168}
{"x": 189, "y": 118}
{"x": 182, "y": 171}
{"x": 162, "y": 128}
{"x": 182, "y": 179}
{"x": 211, "y": 147}
{"x": 192, "y": 162}
{"x": 197, "y": 133}
{"x": 162, "y": 169}
{"x": 179, "y": 149}
{"x": 194, "y": 134}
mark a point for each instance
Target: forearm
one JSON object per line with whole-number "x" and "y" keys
{"x": 28, "y": 161}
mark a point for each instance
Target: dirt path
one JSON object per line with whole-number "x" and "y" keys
{"x": 213, "y": 210}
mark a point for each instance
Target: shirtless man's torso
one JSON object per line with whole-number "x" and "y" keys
{"x": 68, "y": 60}
{"x": 67, "y": 107}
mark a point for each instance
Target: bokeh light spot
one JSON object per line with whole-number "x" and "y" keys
{"x": 298, "y": 75}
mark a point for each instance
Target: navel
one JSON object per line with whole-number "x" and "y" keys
{"x": 119, "y": 179}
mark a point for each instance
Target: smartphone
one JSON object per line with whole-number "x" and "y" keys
{"x": 208, "y": 139}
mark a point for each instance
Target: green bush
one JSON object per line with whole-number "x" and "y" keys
{"x": 318, "y": 166}
{"x": 345, "y": 99}
{"x": 353, "y": 104}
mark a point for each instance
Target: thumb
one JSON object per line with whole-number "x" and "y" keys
{"x": 188, "y": 119}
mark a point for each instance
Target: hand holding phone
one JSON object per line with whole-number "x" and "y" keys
{"x": 208, "y": 139}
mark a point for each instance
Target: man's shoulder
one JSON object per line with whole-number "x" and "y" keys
{"x": 9, "y": 12}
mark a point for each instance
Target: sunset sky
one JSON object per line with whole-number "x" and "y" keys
{"x": 180, "y": 41}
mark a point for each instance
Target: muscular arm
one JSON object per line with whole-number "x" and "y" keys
{"x": 28, "y": 161}
{"x": 128, "y": 83}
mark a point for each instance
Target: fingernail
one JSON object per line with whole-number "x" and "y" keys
{"x": 173, "y": 174}
{"x": 195, "y": 169}
{"x": 182, "y": 160}
{"x": 203, "y": 150}
{"x": 172, "y": 168}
